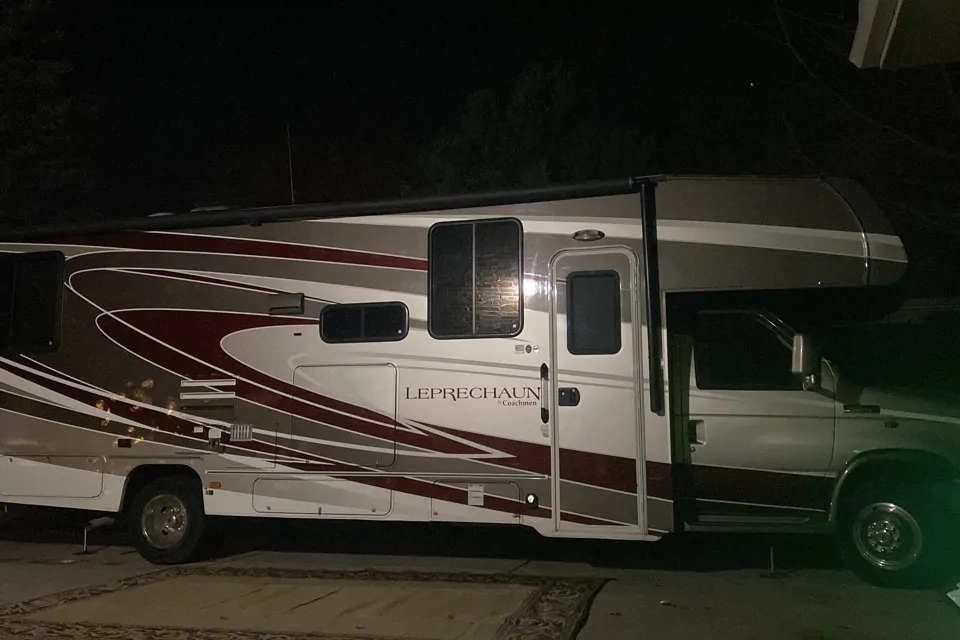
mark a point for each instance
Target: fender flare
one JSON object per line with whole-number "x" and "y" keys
{"x": 936, "y": 464}
{"x": 149, "y": 470}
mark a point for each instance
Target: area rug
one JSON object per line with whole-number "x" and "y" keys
{"x": 551, "y": 607}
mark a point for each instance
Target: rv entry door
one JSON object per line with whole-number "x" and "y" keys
{"x": 596, "y": 392}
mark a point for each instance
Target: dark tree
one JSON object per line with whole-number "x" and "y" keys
{"x": 810, "y": 111}
{"x": 44, "y": 127}
{"x": 552, "y": 127}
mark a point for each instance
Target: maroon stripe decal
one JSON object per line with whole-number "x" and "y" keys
{"x": 190, "y": 277}
{"x": 595, "y": 469}
{"x": 241, "y": 247}
{"x": 579, "y": 519}
{"x": 45, "y": 411}
{"x": 156, "y": 418}
{"x": 202, "y": 341}
{"x": 459, "y": 496}
{"x": 173, "y": 425}
{"x": 660, "y": 480}
{"x": 147, "y": 417}
{"x": 760, "y": 487}
{"x": 162, "y": 420}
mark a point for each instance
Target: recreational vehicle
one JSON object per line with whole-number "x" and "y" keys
{"x": 610, "y": 360}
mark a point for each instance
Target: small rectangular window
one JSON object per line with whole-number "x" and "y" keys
{"x": 475, "y": 274}
{"x": 31, "y": 294}
{"x": 368, "y": 322}
{"x": 593, "y": 313}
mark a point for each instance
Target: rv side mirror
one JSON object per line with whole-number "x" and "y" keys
{"x": 806, "y": 357}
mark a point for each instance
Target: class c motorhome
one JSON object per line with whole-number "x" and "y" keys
{"x": 613, "y": 360}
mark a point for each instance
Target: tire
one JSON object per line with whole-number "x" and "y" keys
{"x": 888, "y": 534}
{"x": 166, "y": 522}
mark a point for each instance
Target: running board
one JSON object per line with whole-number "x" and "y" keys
{"x": 757, "y": 524}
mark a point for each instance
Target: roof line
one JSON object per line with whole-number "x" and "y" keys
{"x": 259, "y": 215}
{"x": 256, "y": 216}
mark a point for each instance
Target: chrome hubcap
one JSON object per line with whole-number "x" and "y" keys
{"x": 887, "y": 536}
{"x": 164, "y": 521}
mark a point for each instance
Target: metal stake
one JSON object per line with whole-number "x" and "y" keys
{"x": 773, "y": 573}
{"x": 96, "y": 523}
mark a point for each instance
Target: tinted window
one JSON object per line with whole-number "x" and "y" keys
{"x": 740, "y": 351}
{"x": 341, "y": 322}
{"x": 30, "y": 299}
{"x": 377, "y": 322}
{"x": 475, "y": 276}
{"x": 593, "y": 313}
{"x": 451, "y": 280}
{"x": 385, "y": 322}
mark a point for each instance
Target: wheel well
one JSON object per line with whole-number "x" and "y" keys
{"x": 897, "y": 467}
{"x": 145, "y": 474}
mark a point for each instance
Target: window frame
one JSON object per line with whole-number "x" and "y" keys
{"x": 57, "y": 338}
{"x": 772, "y": 324}
{"x": 473, "y": 222}
{"x": 569, "y": 309}
{"x": 363, "y": 306}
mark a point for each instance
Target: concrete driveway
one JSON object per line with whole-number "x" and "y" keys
{"x": 46, "y": 590}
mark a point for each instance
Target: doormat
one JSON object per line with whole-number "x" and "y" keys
{"x": 211, "y": 602}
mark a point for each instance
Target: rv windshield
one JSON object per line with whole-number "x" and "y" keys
{"x": 917, "y": 357}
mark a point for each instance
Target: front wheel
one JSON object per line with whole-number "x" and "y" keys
{"x": 166, "y": 521}
{"x": 889, "y": 536}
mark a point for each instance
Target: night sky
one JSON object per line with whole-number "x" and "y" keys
{"x": 196, "y": 100}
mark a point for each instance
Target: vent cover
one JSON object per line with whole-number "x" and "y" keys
{"x": 241, "y": 432}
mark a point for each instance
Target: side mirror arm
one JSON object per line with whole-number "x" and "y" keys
{"x": 811, "y": 382}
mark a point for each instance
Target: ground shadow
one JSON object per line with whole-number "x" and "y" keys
{"x": 687, "y": 552}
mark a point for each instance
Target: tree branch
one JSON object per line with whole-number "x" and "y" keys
{"x": 846, "y": 104}
{"x": 951, "y": 90}
{"x": 932, "y": 222}
{"x": 796, "y": 142}
{"x": 805, "y": 18}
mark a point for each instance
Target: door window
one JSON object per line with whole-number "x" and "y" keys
{"x": 593, "y": 313}
{"x": 741, "y": 351}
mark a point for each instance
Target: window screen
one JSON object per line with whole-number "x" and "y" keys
{"x": 30, "y": 301}
{"x": 593, "y": 313}
{"x": 739, "y": 351}
{"x": 475, "y": 275}
{"x": 370, "y": 322}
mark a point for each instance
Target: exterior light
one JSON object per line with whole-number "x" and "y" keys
{"x": 588, "y": 235}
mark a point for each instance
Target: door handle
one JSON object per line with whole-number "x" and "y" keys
{"x": 544, "y": 380}
{"x": 568, "y": 396}
{"x": 696, "y": 432}
{"x": 861, "y": 408}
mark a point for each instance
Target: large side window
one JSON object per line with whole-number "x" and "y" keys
{"x": 31, "y": 294}
{"x": 368, "y": 322}
{"x": 740, "y": 351}
{"x": 475, "y": 276}
{"x": 593, "y": 313}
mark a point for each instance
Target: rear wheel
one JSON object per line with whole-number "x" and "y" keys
{"x": 166, "y": 521}
{"x": 889, "y": 535}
